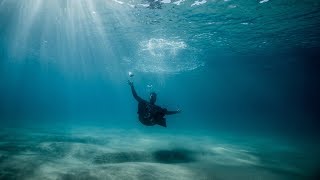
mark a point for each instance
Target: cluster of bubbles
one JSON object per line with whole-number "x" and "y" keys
{"x": 162, "y": 47}
{"x": 165, "y": 56}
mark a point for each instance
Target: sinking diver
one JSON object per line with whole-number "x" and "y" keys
{"x": 149, "y": 113}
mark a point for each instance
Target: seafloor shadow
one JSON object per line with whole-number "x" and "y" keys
{"x": 174, "y": 156}
{"x": 159, "y": 156}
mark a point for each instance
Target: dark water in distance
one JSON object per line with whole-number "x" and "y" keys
{"x": 234, "y": 65}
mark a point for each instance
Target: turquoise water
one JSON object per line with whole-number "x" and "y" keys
{"x": 243, "y": 73}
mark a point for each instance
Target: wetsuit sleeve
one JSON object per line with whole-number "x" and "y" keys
{"x": 170, "y": 112}
{"x": 135, "y": 95}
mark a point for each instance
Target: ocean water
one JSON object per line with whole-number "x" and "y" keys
{"x": 245, "y": 75}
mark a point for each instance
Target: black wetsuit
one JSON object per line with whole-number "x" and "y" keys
{"x": 150, "y": 114}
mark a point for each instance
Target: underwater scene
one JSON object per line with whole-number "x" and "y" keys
{"x": 159, "y": 89}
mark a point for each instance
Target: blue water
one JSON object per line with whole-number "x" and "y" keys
{"x": 236, "y": 69}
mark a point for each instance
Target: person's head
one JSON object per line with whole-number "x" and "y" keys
{"x": 153, "y": 97}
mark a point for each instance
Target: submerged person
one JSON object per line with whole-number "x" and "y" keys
{"x": 149, "y": 113}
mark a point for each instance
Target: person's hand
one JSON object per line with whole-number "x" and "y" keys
{"x": 179, "y": 110}
{"x": 130, "y": 83}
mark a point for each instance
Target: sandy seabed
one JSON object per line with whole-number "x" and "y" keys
{"x": 101, "y": 153}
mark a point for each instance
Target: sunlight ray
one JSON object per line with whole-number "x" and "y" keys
{"x": 27, "y": 15}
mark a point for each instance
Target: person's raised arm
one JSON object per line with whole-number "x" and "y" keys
{"x": 134, "y": 93}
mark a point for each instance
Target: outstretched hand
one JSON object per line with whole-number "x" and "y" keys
{"x": 179, "y": 111}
